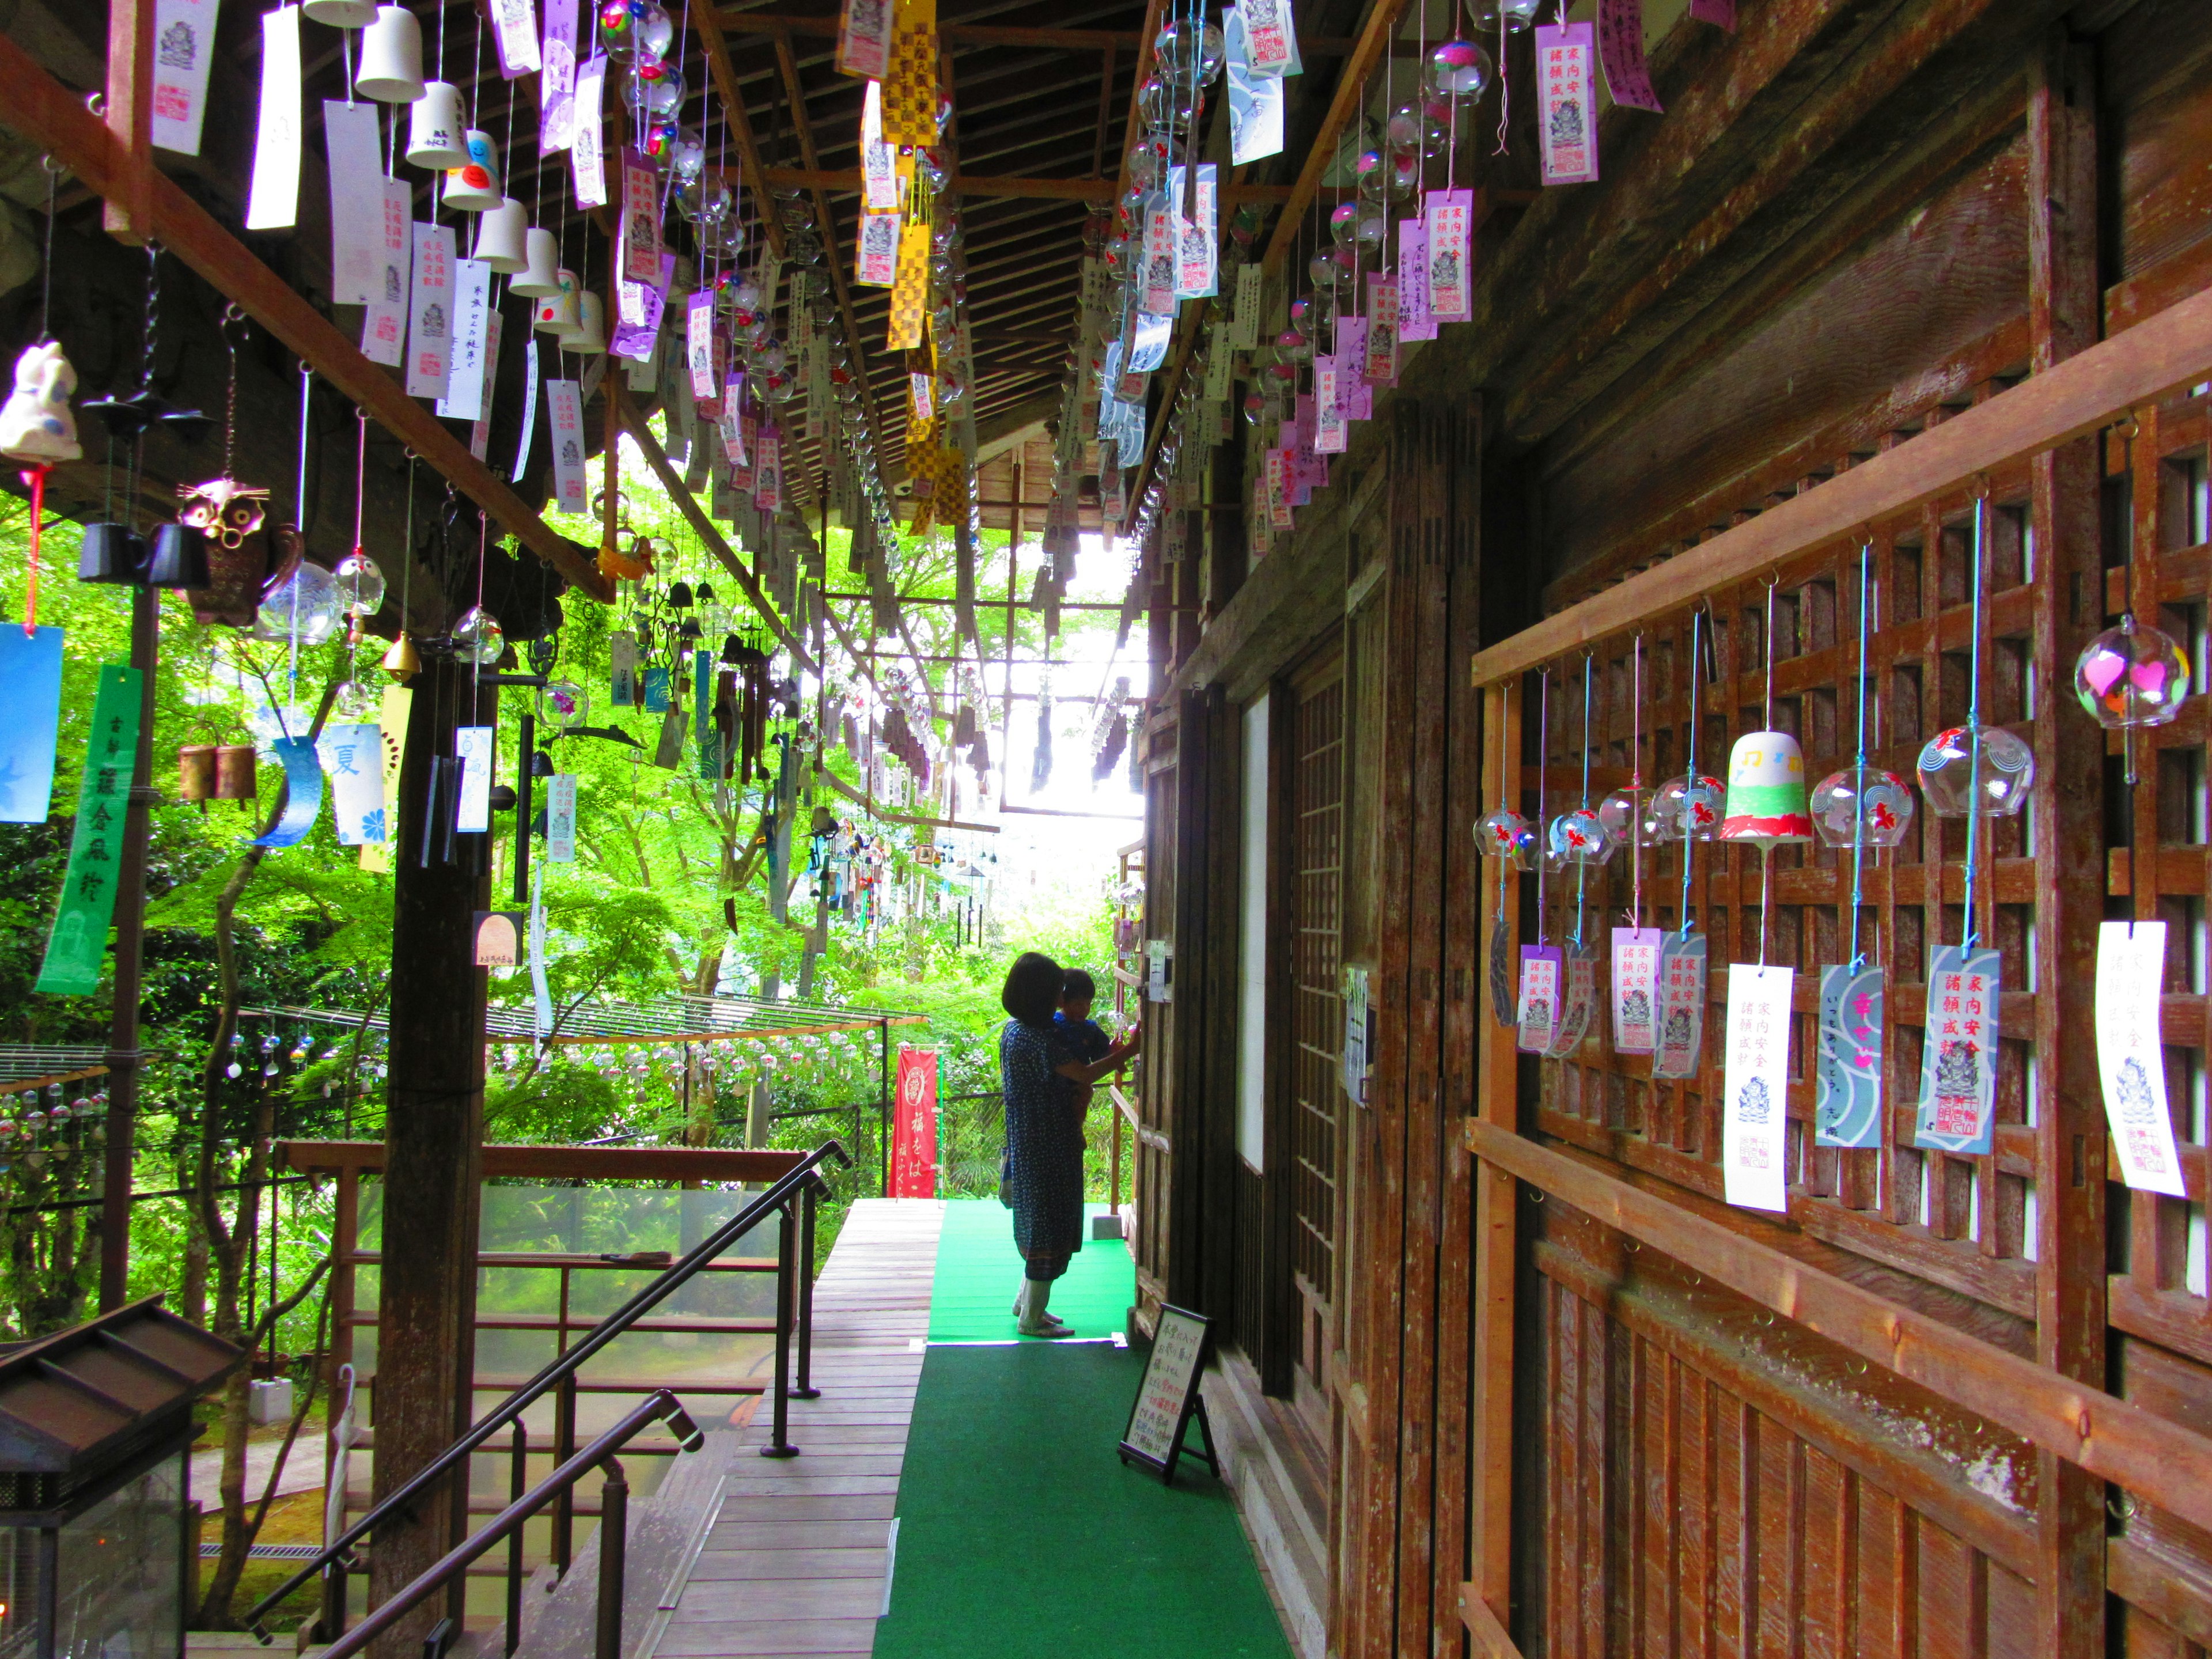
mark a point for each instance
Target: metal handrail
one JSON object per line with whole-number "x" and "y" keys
{"x": 660, "y": 1407}
{"x": 777, "y": 1197}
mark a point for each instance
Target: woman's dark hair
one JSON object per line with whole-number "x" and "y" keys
{"x": 1032, "y": 993}
{"x": 1077, "y": 983}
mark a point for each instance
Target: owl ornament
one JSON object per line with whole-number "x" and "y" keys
{"x": 243, "y": 565}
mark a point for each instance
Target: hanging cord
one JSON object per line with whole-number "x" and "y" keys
{"x": 1766, "y": 720}
{"x": 1636, "y": 783}
{"x": 292, "y": 625}
{"x": 1582, "y": 865}
{"x": 1690, "y": 778}
{"x": 1509, "y": 797}
{"x": 46, "y": 275}
{"x": 2127, "y": 430}
{"x": 1859, "y": 769}
{"x": 1543, "y": 831}
{"x": 1970, "y": 934}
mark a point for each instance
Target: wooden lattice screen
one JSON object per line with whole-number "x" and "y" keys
{"x": 2111, "y": 1286}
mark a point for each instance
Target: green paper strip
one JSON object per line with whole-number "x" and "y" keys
{"x": 74, "y": 950}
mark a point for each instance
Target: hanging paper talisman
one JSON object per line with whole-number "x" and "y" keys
{"x": 79, "y": 939}
{"x": 1579, "y": 1004}
{"x": 1848, "y": 1109}
{"x": 2131, "y": 1057}
{"x": 1958, "y": 1056}
{"x": 1636, "y": 953}
{"x": 1536, "y": 1012}
{"x": 1681, "y": 1007}
{"x": 1755, "y": 1120}
{"x": 1567, "y": 104}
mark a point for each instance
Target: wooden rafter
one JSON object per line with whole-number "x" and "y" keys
{"x": 1000, "y": 185}
{"x": 1351, "y": 89}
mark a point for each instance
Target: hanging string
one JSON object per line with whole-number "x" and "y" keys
{"x": 291, "y": 624}
{"x": 46, "y": 275}
{"x": 1970, "y": 934}
{"x": 1859, "y": 770}
{"x": 1507, "y": 799}
{"x": 1582, "y": 865}
{"x": 1689, "y": 783}
{"x": 1543, "y": 762}
{"x": 1636, "y": 781}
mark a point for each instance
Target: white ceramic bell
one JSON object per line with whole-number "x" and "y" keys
{"x": 557, "y": 313}
{"x": 341, "y": 14}
{"x": 473, "y": 186}
{"x": 589, "y": 338}
{"x": 36, "y": 426}
{"x": 391, "y": 57}
{"x": 540, "y": 274}
{"x": 437, "y": 129}
{"x": 502, "y": 234}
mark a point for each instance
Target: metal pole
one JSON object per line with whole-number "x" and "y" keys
{"x": 564, "y": 1448}
{"x": 123, "y": 1056}
{"x": 787, "y": 1253}
{"x": 806, "y": 1390}
{"x": 517, "y": 1484}
{"x": 523, "y": 784}
{"x": 884, "y": 1104}
{"x": 614, "y": 1547}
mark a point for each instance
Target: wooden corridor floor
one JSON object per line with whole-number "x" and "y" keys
{"x": 794, "y": 1563}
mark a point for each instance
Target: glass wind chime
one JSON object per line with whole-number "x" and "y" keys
{"x": 47, "y": 1129}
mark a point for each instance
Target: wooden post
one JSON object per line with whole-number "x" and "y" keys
{"x": 433, "y": 1136}
{"x": 128, "y": 214}
{"x": 2070, "y": 1134}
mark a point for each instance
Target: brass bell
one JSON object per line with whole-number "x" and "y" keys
{"x": 233, "y": 773}
{"x": 195, "y": 772}
{"x": 403, "y": 661}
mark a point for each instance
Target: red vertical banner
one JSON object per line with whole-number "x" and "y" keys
{"x": 913, "y": 1125}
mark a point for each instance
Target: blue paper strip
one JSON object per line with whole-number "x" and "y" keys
{"x": 303, "y": 793}
{"x": 31, "y": 675}
{"x": 1849, "y": 1108}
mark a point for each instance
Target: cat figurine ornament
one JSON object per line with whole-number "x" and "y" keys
{"x": 36, "y": 425}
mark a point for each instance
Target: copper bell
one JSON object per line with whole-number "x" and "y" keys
{"x": 195, "y": 772}
{"x": 234, "y": 772}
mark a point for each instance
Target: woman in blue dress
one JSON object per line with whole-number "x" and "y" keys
{"x": 1046, "y": 1088}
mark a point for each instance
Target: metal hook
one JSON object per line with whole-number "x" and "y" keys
{"x": 2127, "y": 1508}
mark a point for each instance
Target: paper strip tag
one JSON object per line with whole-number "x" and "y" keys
{"x": 352, "y": 756}
{"x": 1848, "y": 1105}
{"x": 529, "y": 408}
{"x": 273, "y": 203}
{"x": 879, "y": 191}
{"x": 465, "y": 383}
{"x": 556, "y": 79}
{"x": 1635, "y": 989}
{"x": 1755, "y": 1119}
{"x": 656, "y": 690}
{"x": 2131, "y": 1057}
{"x": 1958, "y": 1053}
{"x": 1271, "y": 37}
{"x": 541, "y": 993}
{"x": 864, "y": 39}
{"x": 184, "y": 46}
{"x": 638, "y": 306}
{"x": 587, "y": 140}
{"x": 768, "y": 474}
{"x": 560, "y": 818}
{"x": 1243, "y": 330}
{"x": 303, "y": 793}
{"x": 1149, "y": 342}
{"x": 564, "y": 415}
{"x": 31, "y": 669}
{"x": 1256, "y": 100}
{"x": 515, "y": 22}
{"x": 1416, "y": 321}
{"x": 1567, "y": 104}
{"x": 472, "y": 812}
{"x": 1579, "y": 1006}
{"x": 430, "y": 327}
{"x": 877, "y": 263}
{"x": 1382, "y": 330}
{"x": 622, "y": 661}
{"x": 1621, "y": 49}
{"x": 1450, "y": 224}
{"x": 79, "y": 937}
{"x": 384, "y": 328}
{"x": 1156, "y": 291}
{"x": 391, "y": 733}
{"x": 480, "y": 430}
{"x": 356, "y": 177}
{"x": 699, "y": 346}
{"x": 1197, "y": 235}
{"x": 1536, "y": 1011}
{"x": 668, "y": 752}
{"x": 1331, "y": 433}
{"x": 641, "y": 220}
{"x": 1681, "y": 1007}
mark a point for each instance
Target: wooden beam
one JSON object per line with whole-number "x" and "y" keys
{"x": 1000, "y": 185}
{"x": 2152, "y": 1456}
{"x": 633, "y": 423}
{"x": 1351, "y": 91}
{"x": 44, "y": 111}
{"x": 2158, "y": 357}
{"x": 992, "y": 34}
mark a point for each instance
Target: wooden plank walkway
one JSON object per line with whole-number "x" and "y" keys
{"x": 794, "y": 1566}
